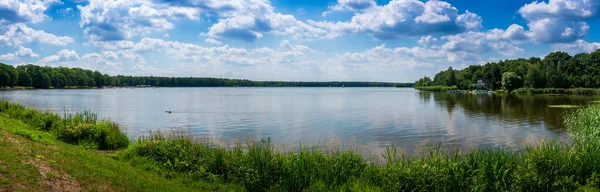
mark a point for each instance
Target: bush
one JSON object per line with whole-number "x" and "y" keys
{"x": 79, "y": 128}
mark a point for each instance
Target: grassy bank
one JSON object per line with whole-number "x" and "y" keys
{"x": 181, "y": 163}
{"x": 571, "y": 91}
{"x": 436, "y": 88}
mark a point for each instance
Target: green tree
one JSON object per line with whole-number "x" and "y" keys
{"x": 451, "y": 77}
{"x": 534, "y": 78}
{"x": 4, "y": 78}
{"x": 24, "y": 78}
{"x": 511, "y": 81}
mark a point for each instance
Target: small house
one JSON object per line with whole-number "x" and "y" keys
{"x": 483, "y": 83}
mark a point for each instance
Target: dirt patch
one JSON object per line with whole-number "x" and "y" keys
{"x": 55, "y": 180}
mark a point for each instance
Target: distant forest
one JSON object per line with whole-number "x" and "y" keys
{"x": 63, "y": 77}
{"x": 556, "y": 70}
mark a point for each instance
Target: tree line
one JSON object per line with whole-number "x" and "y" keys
{"x": 64, "y": 77}
{"x": 556, "y": 70}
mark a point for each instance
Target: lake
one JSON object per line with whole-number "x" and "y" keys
{"x": 371, "y": 118}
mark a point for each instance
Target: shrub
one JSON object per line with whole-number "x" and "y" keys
{"x": 79, "y": 128}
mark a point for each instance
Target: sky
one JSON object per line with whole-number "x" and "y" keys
{"x": 308, "y": 40}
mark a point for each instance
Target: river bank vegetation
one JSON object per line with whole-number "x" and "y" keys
{"x": 64, "y": 77}
{"x": 557, "y": 72}
{"x": 32, "y": 139}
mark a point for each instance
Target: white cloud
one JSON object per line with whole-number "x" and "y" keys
{"x": 559, "y": 21}
{"x": 123, "y": 19}
{"x": 260, "y": 18}
{"x": 351, "y": 5}
{"x": 21, "y": 52}
{"x": 8, "y": 57}
{"x": 61, "y": 56}
{"x": 23, "y": 11}
{"x": 18, "y": 34}
{"x": 577, "y": 47}
{"x": 248, "y": 20}
{"x": 213, "y": 41}
{"x": 401, "y": 18}
{"x": 113, "y": 45}
{"x": 567, "y": 9}
{"x": 495, "y": 40}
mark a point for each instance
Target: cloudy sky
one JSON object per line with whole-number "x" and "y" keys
{"x": 308, "y": 40}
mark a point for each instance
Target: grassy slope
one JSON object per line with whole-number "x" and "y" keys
{"x": 34, "y": 161}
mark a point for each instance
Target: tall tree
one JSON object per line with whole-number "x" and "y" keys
{"x": 511, "y": 81}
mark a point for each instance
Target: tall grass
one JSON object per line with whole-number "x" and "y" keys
{"x": 79, "y": 128}
{"x": 550, "y": 166}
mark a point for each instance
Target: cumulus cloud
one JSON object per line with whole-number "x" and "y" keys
{"x": 61, "y": 56}
{"x": 8, "y": 57}
{"x": 559, "y": 21}
{"x": 351, "y": 5}
{"x": 577, "y": 46}
{"x": 21, "y": 52}
{"x": 213, "y": 41}
{"x": 23, "y": 11}
{"x": 18, "y": 34}
{"x": 258, "y": 17}
{"x": 113, "y": 20}
{"x": 504, "y": 42}
{"x": 248, "y": 20}
{"x": 401, "y": 18}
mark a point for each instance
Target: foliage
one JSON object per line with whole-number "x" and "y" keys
{"x": 63, "y": 77}
{"x": 556, "y": 70}
{"x": 510, "y": 81}
{"x": 79, "y": 128}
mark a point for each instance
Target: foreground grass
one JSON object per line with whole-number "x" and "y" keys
{"x": 38, "y": 159}
{"x": 32, "y": 160}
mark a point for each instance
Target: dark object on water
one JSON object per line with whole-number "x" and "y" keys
{"x": 169, "y": 112}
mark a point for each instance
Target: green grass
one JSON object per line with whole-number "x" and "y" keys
{"x": 94, "y": 170}
{"x": 563, "y": 106}
{"x": 573, "y": 91}
{"x": 436, "y": 88}
{"x": 177, "y": 162}
{"x": 79, "y": 128}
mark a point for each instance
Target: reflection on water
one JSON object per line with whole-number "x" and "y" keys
{"x": 371, "y": 117}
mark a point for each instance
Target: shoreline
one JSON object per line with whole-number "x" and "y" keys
{"x": 520, "y": 91}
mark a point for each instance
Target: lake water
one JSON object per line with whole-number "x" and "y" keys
{"x": 372, "y": 118}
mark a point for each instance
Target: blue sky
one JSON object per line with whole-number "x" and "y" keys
{"x": 320, "y": 40}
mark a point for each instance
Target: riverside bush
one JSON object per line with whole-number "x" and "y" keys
{"x": 79, "y": 128}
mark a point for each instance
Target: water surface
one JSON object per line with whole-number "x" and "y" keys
{"x": 370, "y": 117}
